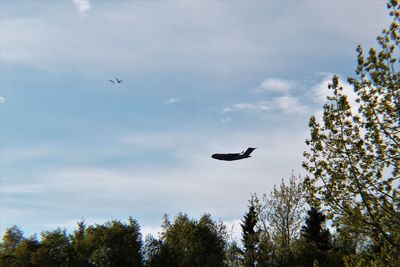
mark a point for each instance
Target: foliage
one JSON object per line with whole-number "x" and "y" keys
{"x": 272, "y": 225}
{"x": 12, "y": 238}
{"x": 16, "y": 250}
{"x": 55, "y": 250}
{"x": 267, "y": 253}
{"x": 315, "y": 243}
{"x": 282, "y": 212}
{"x": 250, "y": 235}
{"x": 233, "y": 254}
{"x": 188, "y": 242}
{"x": 313, "y": 231}
{"x": 185, "y": 242}
{"x": 353, "y": 157}
{"x": 111, "y": 244}
{"x": 114, "y": 244}
{"x": 80, "y": 246}
{"x": 152, "y": 252}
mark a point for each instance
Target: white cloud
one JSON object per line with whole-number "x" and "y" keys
{"x": 274, "y": 85}
{"x": 245, "y": 106}
{"x": 316, "y": 92}
{"x": 2, "y": 99}
{"x": 284, "y": 104}
{"x": 289, "y": 104}
{"x": 82, "y": 6}
{"x": 223, "y": 42}
{"x": 171, "y": 101}
{"x": 258, "y": 106}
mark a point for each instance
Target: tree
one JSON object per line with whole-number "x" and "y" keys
{"x": 54, "y": 250}
{"x": 233, "y": 254}
{"x": 11, "y": 239}
{"x": 16, "y": 250}
{"x": 280, "y": 219}
{"x": 266, "y": 256}
{"x": 353, "y": 157}
{"x": 188, "y": 242}
{"x": 114, "y": 244}
{"x": 111, "y": 244}
{"x": 313, "y": 231}
{"x": 282, "y": 212}
{"x": 25, "y": 252}
{"x": 316, "y": 240}
{"x": 250, "y": 234}
{"x": 79, "y": 245}
{"x": 152, "y": 252}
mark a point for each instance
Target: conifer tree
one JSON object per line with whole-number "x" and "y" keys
{"x": 313, "y": 231}
{"x": 250, "y": 235}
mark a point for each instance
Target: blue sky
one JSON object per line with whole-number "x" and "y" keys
{"x": 199, "y": 77}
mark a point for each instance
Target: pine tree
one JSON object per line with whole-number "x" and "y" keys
{"x": 313, "y": 231}
{"x": 250, "y": 235}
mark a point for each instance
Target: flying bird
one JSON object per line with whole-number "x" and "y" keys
{"x": 234, "y": 156}
{"x": 118, "y": 80}
{"x": 112, "y": 81}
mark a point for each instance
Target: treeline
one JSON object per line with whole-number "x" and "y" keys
{"x": 182, "y": 242}
{"x": 352, "y": 183}
{"x": 276, "y": 231}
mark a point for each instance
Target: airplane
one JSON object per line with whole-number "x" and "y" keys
{"x": 234, "y": 156}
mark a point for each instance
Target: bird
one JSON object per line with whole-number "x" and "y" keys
{"x": 118, "y": 80}
{"x": 112, "y": 81}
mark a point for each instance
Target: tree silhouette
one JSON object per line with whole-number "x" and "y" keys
{"x": 313, "y": 231}
{"x": 250, "y": 235}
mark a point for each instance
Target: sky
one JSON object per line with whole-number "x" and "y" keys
{"x": 199, "y": 77}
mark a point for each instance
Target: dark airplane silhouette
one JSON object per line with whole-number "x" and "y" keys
{"x": 234, "y": 156}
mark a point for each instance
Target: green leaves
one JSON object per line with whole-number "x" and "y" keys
{"x": 353, "y": 156}
{"x": 188, "y": 242}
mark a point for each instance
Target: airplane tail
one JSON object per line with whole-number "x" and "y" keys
{"x": 248, "y": 151}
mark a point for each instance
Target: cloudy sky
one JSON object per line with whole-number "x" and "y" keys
{"x": 199, "y": 77}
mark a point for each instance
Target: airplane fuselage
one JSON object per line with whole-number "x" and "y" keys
{"x": 234, "y": 156}
{"x": 229, "y": 156}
